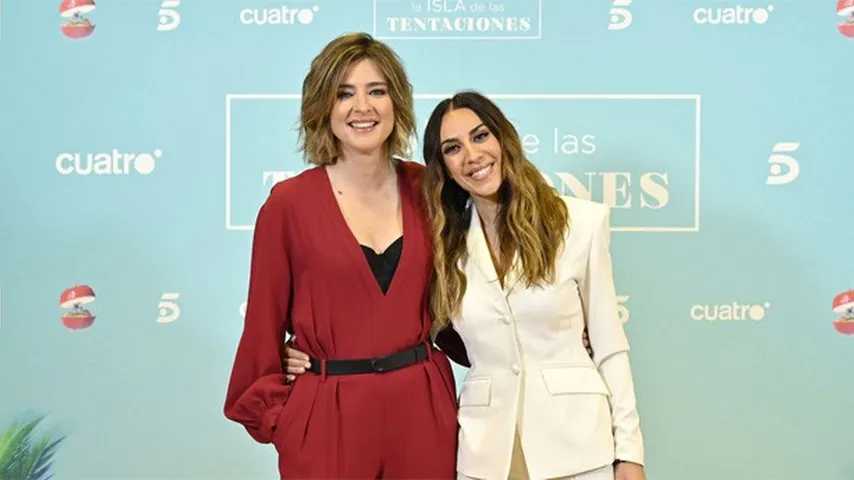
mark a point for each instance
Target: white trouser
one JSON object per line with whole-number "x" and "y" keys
{"x": 519, "y": 471}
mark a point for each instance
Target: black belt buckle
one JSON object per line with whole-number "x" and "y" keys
{"x": 377, "y": 366}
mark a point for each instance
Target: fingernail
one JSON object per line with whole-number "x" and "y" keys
{"x": 307, "y": 365}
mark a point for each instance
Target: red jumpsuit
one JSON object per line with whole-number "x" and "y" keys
{"x": 310, "y": 277}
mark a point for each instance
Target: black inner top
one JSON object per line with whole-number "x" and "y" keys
{"x": 384, "y": 264}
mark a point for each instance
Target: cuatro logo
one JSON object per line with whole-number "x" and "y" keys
{"x": 107, "y": 163}
{"x": 845, "y": 8}
{"x": 74, "y": 298}
{"x": 734, "y": 15}
{"x": 77, "y": 26}
{"x": 282, "y": 15}
{"x": 730, "y": 311}
{"x": 843, "y": 304}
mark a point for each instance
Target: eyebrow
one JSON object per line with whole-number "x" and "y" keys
{"x": 369, "y": 85}
{"x": 453, "y": 139}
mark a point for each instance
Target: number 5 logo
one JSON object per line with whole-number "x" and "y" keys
{"x": 779, "y": 158}
{"x": 169, "y": 17}
{"x": 621, "y": 18}
{"x": 169, "y": 309}
{"x": 622, "y": 311}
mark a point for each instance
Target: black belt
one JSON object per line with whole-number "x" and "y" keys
{"x": 370, "y": 365}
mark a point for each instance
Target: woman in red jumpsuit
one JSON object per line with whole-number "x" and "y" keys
{"x": 381, "y": 403}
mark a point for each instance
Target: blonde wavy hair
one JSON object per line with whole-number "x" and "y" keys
{"x": 320, "y": 89}
{"x": 532, "y": 219}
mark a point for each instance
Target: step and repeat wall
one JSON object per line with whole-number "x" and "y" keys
{"x": 139, "y": 137}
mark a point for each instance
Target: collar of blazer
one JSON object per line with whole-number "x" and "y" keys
{"x": 478, "y": 250}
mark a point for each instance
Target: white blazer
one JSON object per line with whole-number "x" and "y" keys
{"x": 528, "y": 341}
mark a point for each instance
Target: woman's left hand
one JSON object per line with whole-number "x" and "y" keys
{"x": 629, "y": 471}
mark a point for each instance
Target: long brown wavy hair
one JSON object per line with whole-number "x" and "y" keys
{"x": 320, "y": 88}
{"x": 532, "y": 219}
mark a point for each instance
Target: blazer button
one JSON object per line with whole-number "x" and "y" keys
{"x": 516, "y": 369}
{"x": 506, "y": 320}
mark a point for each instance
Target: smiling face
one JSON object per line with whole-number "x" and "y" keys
{"x": 362, "y": 117}
{"x": 471, "y": 153}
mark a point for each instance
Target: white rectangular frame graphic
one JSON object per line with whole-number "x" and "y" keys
{"x": 696, "y": 98}
{"x": 539, "y": 35}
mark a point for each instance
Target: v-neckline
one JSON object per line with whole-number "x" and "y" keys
{"x": 389, "y": 247}
{"x": 483, "y": 256}
{"x": 356, "y": 248}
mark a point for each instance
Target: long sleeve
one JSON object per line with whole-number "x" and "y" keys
{"x": 609, "y": 342}
{"x": 628, "y": 439}
{"x": 257, "y": 391}
{"x": 599, "y": 297}
{"x": 452, "y": 344}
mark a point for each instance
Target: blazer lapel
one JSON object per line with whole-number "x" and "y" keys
{"x": 479, "y": 253}
{"x": 511, "y": 278}
{"x": 478, "y": 249}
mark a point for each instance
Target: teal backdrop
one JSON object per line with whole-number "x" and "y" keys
{"x": 133, "y": 160}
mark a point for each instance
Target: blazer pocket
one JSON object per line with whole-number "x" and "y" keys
{"x": 476, "y": 393}
{"x": 568, "y": 380}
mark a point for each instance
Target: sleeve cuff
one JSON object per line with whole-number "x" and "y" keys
{"x": 259, "y": 407}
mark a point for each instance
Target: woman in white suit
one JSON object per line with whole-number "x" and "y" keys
{"x": 520, "y": 272}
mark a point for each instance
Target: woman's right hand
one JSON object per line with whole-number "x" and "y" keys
{"x": 296, "y": 362}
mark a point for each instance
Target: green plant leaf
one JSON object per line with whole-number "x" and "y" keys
{"x": 23, "y": 457}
